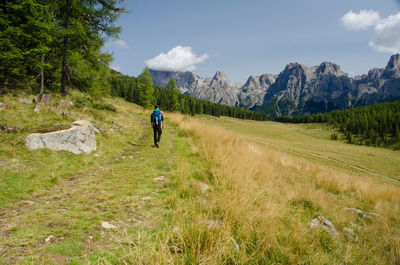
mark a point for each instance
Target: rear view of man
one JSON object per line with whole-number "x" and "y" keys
{"x": 157, "y": 119}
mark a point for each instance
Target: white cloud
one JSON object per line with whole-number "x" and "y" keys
{"x": 387, "y": 35}
{"x": 386, "y": 31}
{"x": 360, "y": 21}
{"x": 180, "y": 58}
{"x": 117, "y": 43}
{"x": 115, "y": 67}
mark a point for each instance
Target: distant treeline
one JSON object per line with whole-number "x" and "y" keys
{"x": 376, "y": 124}
{"x": 142, "y": 92}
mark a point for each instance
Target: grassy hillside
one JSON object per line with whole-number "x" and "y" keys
{"x": 266, "y": 182}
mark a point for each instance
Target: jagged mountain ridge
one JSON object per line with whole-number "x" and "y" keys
{"x": 298, "y": 89}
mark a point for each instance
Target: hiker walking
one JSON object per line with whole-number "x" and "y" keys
{"x": 157, "y": 119}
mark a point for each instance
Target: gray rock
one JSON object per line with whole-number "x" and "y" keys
{"x": 363, "y": 214}
{"x": 147, "y": 198}
{"x": 325, "y": 224}
{"x": 348, "y": 230}
{"x": 29, "y": 202}
{"x": 45, "y": 98}
{"x": 48, "y": 239}
{"x": 160, "y": 178}
{"x": 203, "y": 187}
{"x": 37, "y": 108}
{"x": 25, "y": 101}
{"x": 4, "y": 106}
{"x": 107, "y": 225}
{"x": 78, "y": 139}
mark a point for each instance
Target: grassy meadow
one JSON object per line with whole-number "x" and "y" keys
{"x": 313, "y": 142}
{"x": 264, "y": 183}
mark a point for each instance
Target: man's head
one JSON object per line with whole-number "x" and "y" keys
{"x": 156, "y": 107}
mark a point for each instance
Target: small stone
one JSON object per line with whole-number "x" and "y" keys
{"x": 325, "y": 224}
{"x": 203, "y": 187}
{"x": 130, "y": 156}
{"x": 375, "y": 214}
{"x": 48, "y": 238}
{"x": 47, "y": 203}
{"x": 37, "y": 108}
{"x": 108, "y": 225}
{"x": 96, "y": 155}
{"x": 45, "y": 98}
{"x": 354, "y": 210}
{"x": 364, "y": 215}
{"x": 25, "y": 101}
{"x": 4, "y": 106}
{"x": 147, "y": 198}
{"x": 90, "y": 237}
{"x": 123, "y": 157}
{"x": 160, "y": 178}
{"x": 348, "y": 230}
{"x": 29, "y": 202}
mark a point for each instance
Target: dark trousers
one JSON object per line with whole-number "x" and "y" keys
{"x": 157, "y": 133}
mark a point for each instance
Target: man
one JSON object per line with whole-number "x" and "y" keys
{"x": 157, "y": 119}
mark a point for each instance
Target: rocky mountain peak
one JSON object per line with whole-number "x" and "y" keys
{"x": 392, "y": 69}
{"x": 329, "y": 68}
{"x": 251, "y": 80}
{"x": 298, "y": 89}
{"x": 295, "y": 66}
{"x": 220, "y": 76}
{"x": 374, "y": 74}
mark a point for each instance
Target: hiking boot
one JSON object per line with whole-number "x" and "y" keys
{"x": 156, "y": 144}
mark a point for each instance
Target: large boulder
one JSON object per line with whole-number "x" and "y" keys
{"x": 78, "y": 139}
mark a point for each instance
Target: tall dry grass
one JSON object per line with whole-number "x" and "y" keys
{"x": 260, "y": 205}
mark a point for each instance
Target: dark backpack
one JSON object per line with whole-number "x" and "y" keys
{"x": 157, "y": 118}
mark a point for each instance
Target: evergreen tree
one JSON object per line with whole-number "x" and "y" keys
{"x": 145, "y": 89}
{"x": 25, "y": 34}
{"x": 82, "y": 27}
{"x": 172, "y": 95}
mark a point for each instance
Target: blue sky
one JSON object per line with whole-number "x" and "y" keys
{"x": 243, "y": 38}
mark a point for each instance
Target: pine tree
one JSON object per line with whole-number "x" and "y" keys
{"x": 145, "y": 89}
{"x": 172, "y": 95}
{"x": 83, "y": 27}
{"x": 25, "y": 36}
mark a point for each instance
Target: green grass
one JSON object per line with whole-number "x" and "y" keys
{"x": 55, "y": 193}
{"x": 58, "y": 193}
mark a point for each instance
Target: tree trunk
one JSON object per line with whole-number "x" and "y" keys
{"x": 66, "y": 43}
{"x": 42, "y": 76}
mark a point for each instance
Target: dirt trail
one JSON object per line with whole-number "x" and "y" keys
{"x": 89, "y": 194}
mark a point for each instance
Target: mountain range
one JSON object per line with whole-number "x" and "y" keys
{"x": 298, "y": 89}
